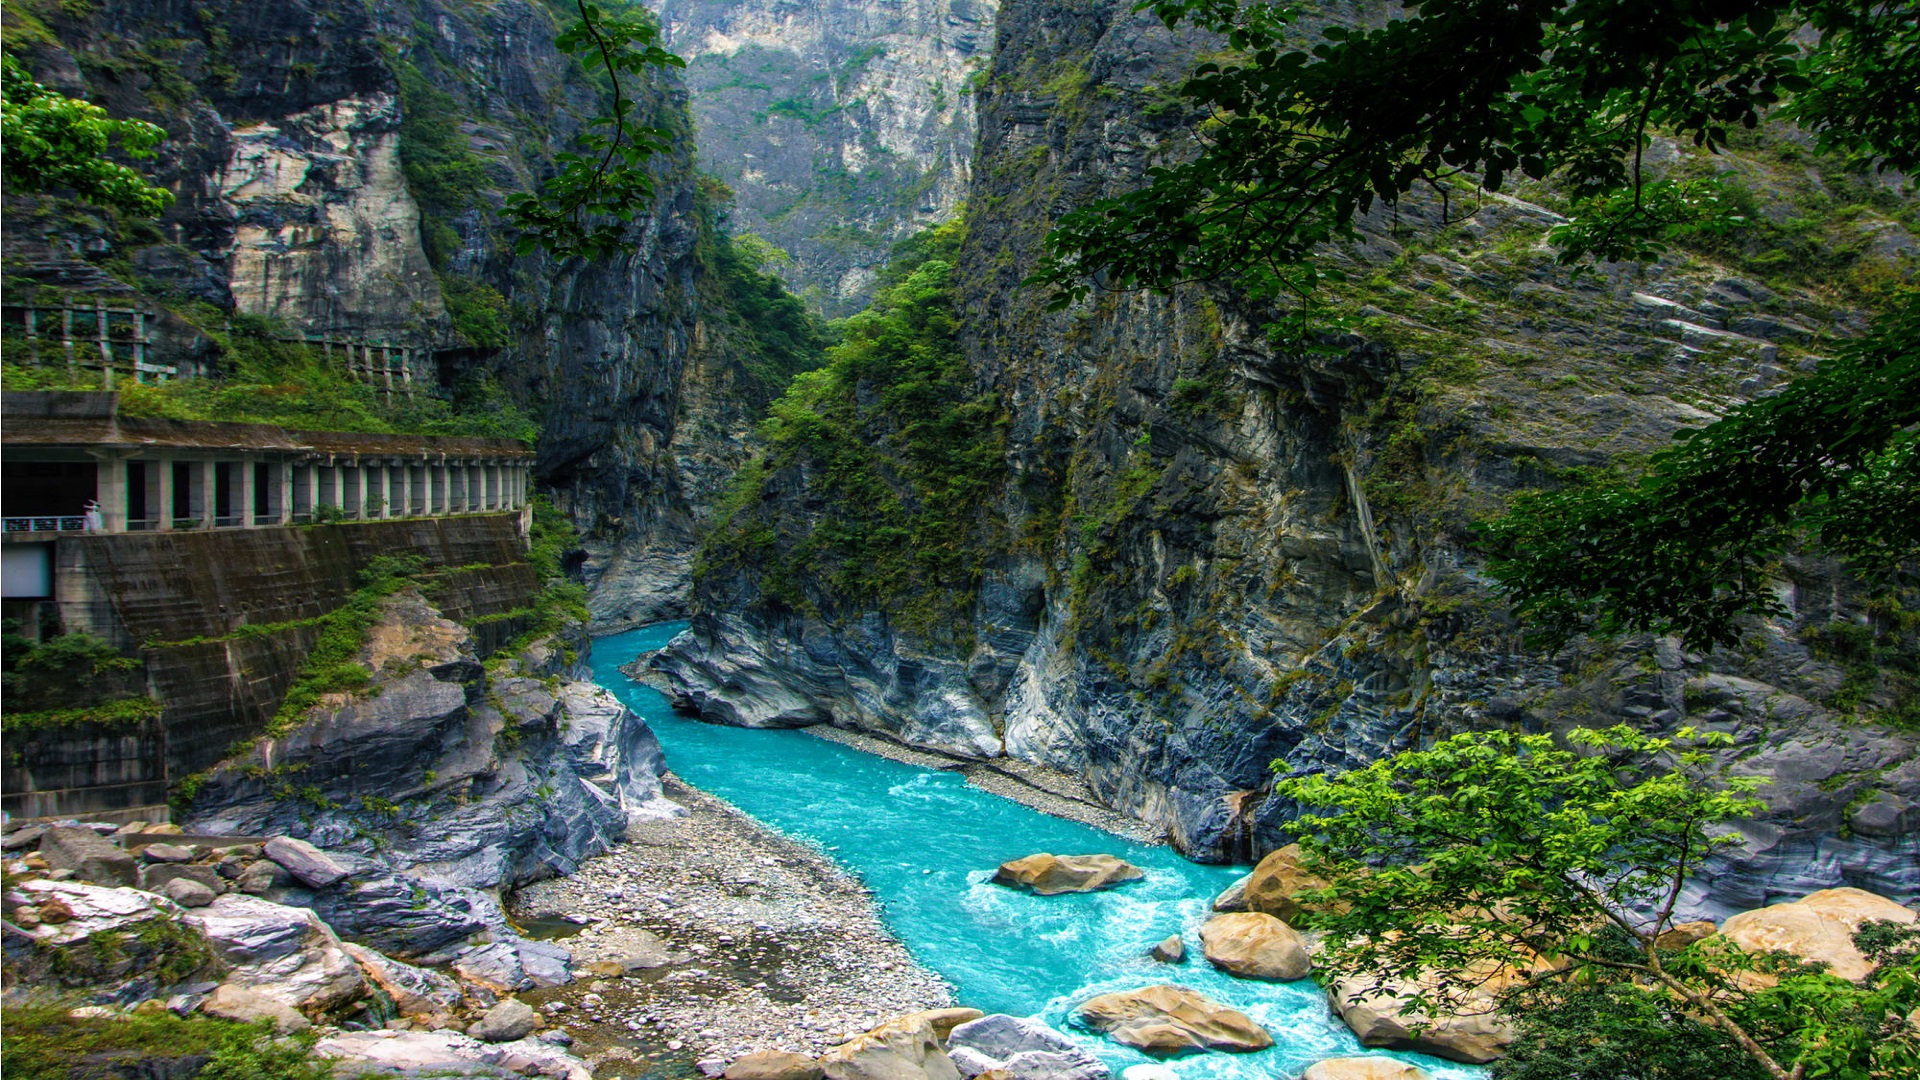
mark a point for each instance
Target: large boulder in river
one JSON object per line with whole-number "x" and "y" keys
{"x": 1363, "y": 1068}
{"x": 1473, "y": 1032}
{"x": 1166, "y": 1019}
{"x": 1050, "y": 875}
{"x": 1022, "y": 1049}
{"x": 903, "y": 1049}
{"x": 1275, "y": 885}
{"x": 1255, "y": 946}
{"x": 1819, "y": 927}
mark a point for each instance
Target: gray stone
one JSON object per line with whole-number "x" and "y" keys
{"x": 1024, "y": 1049}
{"x": 168, "y": 853}
{"x": 155, "y": 877}
{"x": 262, "y": 878}
{"x": 22, "y": 838}
{"x": 1171, "y": 951}
{"x": 308, "y": 864}
{"x": 188, "y": 893}
{"x": 511, "y": 1019}
{"x": 89, "y": 856}
{"x": 1235, "y": 896}
{"x": 248, "y": 930}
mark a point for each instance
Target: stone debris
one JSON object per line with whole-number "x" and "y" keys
{"x": 771, "y": 947}
{"x": 1051, "y": 875}
{"x": 509, "y": 1021}
{"x": 233, "y": 1002}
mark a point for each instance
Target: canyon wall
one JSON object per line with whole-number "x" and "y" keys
{"x": 1212, "y": 554}
{"x": 841, "y": 125}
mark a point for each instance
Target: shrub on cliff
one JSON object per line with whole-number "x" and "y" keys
{"x": 896, "y": 445}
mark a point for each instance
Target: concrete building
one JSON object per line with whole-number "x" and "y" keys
{"x": 72, "y": 466}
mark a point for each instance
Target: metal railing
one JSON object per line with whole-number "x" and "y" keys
{"x": 49, "y": 523}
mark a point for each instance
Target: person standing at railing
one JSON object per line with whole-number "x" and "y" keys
{"x": 91, "y": 518}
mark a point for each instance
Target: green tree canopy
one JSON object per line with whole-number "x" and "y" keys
{"x": 57, "y": 143}
{"x": 1563, "y": 867}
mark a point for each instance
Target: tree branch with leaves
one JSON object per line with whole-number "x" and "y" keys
{"x": 55, "y": 143}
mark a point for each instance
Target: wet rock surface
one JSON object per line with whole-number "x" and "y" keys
{"x": 1051, "y": 875}
{"x": 771, "y": 947}
{"x": 1166, "y": 1019}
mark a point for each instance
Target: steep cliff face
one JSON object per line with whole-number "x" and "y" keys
{"x": 841, "y": 125}
{"x": 1210, "y": 553}
{"x": 339, "y": 167}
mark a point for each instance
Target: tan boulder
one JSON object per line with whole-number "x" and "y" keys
{"x": 1166, "y": 1019}
{"x": 1817, "y": 927}
{"x": 1170, "y": 951}
{"x": 903, "y": 1049}
{"x": 943, "y": 1020}
{"x": 1681, "y": 935}
{"x": 1363, "y": 1068}
{"x": 1050, "y": 875}
{"x": 773, "y": 1065}
{"x": 1275, "y": 883}
{"x": 1473, "y": 1032}
{"x": 1255, "y": 946}
{"x": 231, "y": 1002}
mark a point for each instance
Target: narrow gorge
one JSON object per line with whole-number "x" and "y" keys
{"x": 897, "y": 610}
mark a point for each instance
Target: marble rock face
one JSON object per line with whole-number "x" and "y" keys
{"x": 1021, "y": 1048}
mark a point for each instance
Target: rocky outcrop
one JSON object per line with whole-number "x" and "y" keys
{"x": 1818, "y": 928}
{"x": 1167, "y": 1019}
{"x": 904, "y": 1049}
{"x": 1212, "y": 553}
{"x": 841, "y": 126}
{"x": 1276, "y": 883}
{"x": 1471, "y": 1031}
{"x": 1050, "y": 875}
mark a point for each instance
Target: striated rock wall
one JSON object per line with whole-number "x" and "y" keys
{"x": 841, "y": 125}
{"x": 1212, "y": 553}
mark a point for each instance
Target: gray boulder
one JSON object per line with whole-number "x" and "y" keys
{"x": 188, "y": 893}
{"x": 1024, "y": 1049}
{"x": 90, "y": 856}
{"x": 21, "y": 839}
{"x": 262, "y": 878}
{"x": 510, "y": 1020}
{"x": 154, "y": 878}
{"x": 308, "y": 864}
{"x": 167, "y": 853}
{"x": 248, "y": 930}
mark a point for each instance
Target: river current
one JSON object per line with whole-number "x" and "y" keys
{"x": 925, "y": 843}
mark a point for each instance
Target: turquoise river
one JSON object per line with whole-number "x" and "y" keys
{"x": 925, "y": 843}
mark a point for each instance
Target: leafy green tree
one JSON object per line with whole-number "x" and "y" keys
{"x": 584, "y": 209}
{"x": 1496, "y": 856}
{"x": 55, "y": 143}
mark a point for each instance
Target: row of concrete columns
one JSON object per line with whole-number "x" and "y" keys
{"x": 158, "y": 491}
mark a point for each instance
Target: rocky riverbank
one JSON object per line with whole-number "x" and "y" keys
{"x": 1039, "y": 787}
{"x": 708, "y": 936}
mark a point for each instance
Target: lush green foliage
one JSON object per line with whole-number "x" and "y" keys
{"x": 55, "y": 143}
{"x": 1302, "y": 138}
{"x": 892, "y": 439}
{"x": 778, "y": 337}
{"x": 42, "y": 1042}
{"x": 569, "y": 215}
{"x": 74, "y": 678}
{"x": 1498, "y": 852}
{"x": 271, "y": 380}
{"x": 333, "y": 665}
{"x": 1690, "y": 545}
{"x": 561, "y": 601}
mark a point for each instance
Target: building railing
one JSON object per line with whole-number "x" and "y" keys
{"x": 50, "y": 523}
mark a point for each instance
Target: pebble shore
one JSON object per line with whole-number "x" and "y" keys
{"x": 734, "y": 938}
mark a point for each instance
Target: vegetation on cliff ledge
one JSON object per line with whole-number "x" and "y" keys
{"x": 897, "y": 449}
